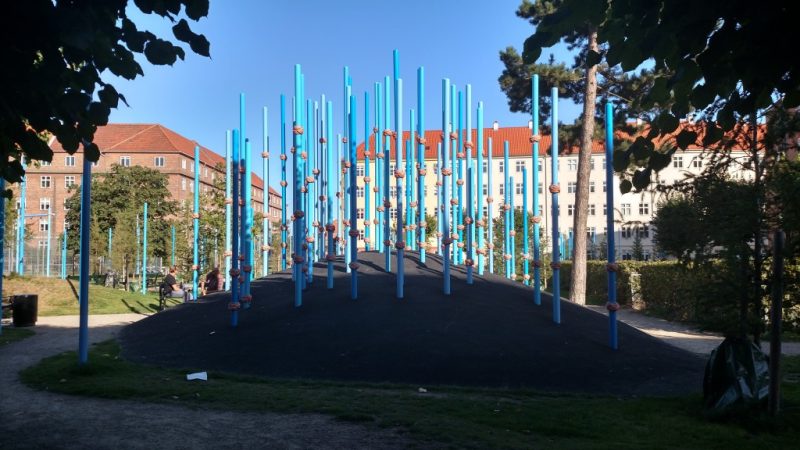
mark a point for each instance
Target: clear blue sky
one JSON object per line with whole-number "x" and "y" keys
{"x": 255, "y": 45}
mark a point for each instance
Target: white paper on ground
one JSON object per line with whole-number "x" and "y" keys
{"x": 197, "y": 376}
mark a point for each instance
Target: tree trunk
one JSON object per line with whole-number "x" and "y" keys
{"x": 578, "y": 280}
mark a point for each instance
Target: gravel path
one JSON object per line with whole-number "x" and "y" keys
{"x": 35, "y": 419}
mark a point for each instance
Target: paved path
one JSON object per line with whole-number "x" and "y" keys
{"x": 35, "y": 419}
{"x": 681, "y": 335}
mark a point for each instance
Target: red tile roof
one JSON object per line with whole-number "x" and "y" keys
{"x": 154, "y": 138}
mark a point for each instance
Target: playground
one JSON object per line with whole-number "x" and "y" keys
{"x": 487, "y": 334}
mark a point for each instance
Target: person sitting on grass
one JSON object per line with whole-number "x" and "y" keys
{"x": 175, "y": 290}
{"x": 213, "y": 281}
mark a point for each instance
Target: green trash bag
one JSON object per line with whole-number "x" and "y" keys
{"x": 737, "y": 375}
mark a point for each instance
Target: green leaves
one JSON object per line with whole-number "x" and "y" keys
{"x": 197, "y": 42}
{"x": 161, "y": 52}
{"x": 686, "y": 138}
{"x": 625, "y": 186}
{"x": 621, "y": 160}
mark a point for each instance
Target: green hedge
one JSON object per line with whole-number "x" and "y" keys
{"x": 597, "y": 281}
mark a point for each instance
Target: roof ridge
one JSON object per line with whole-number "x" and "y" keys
{"x": 147, "y": 127}
{"x": 164, "y": 130}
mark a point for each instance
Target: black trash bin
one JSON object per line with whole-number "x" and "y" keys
{"x": 24, "y": 310}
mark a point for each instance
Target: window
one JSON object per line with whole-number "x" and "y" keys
{"x": 604, "y": 164}
{"x": 44, "y": 204}
{"x": 359, "y": 170}
{"x": 541, "y": 164}
{"x": 626, "y": 232}
{"x": 697, "y": 162}
{"x": 191, "y": 187}
{"x": 572, "y": 164}
{"x": 644, "y": 208}
{"x": 159, "y": 161}
{"x": 125, "y": 161}
{"x": 518, "y": 187}
{"x": 485, "y": 211}
{"x": 643, "y": 231}
{"x": 519, "y": 166}
{"x": 69, "y": 161}
{"x": 604, "y": 185}
{"x": 69, "y": 180}
{"x": 591, "y": 209}
{"x": 45, "y": 181}
{"x": 44, "y": 225}
{"x": 44, "y": 163}
{"x": 570, "y": 209}
{"x": 626, "y": 209}
{"x": 677, "y": 161}
{"x": 541, "y": 210}
{"x": 485, "y": 167}
{"x": 591, "y": 234}
{"x": 360, "y": 192}
{"x": 541, "y": 187}
{"x": 361, "y": 234}
{"x": 591, "y": 163}
{"x": 502, "y": 190}
{"x": 205, "y": 172}
{"x": 501, "y": 166}
{"x": 360, "y": 213}
{"x": 605, "y": 210}
{"x": 591, "y": 186}
{"x": 183, "y": 184}
{"x": 183, "y": 164}
{"x": 485, "y": 189}
{"x": 572, "y": 187}
{"x": 393, "y": 213}
{"x": 435, "y": 168}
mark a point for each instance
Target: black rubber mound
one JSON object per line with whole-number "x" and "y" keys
{"x": 487, "y": 334}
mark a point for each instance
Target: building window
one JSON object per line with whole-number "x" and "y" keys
{"x": 183, "y": 164}
{"x": 44, "y": 204}
{"x": 604, "y": 164}
{"x": 677, "y": 161}
{"x": 360, "y": 192}
{"x": 125, "y": 161}
{"x": 69, "y": 161}
{"x": 591, "y": 209}
{"x": 205, "y": 172}
{"x": 501, "y": 166}
{"x": 69, "y": 180}
{"x": 519, "y": 166}
{"x": 44, "y": 225}
{"x": 183, "y": 184}
{"x": 697, "y": 163}
{"x": 359, "y": 170}
{"x": 159, "y": 161}
{"x": 626, "y": 209}
{"x": 570, "y": 209}
{"x": 502, "y": 190}
{"x": 44, "y": 163}
{"x": 591, "y": 163}
{"x": 541, "y": 164}
{"x": 393, "y": 213}
{"x": 591, "y": 186}
{"x": 541, "y": 210}
{"x": 644, "y": 208}
{"x": 485, "y": 211}
{"x": 541, "y": 187}
{"x": 643, "y": 231}
{"x": 626, "y": 232}
{"x": 485, "y": 189}
{"x": 604, "y": 185}
{"x": 360, "y": 213}
{"x": 45, "y": 181}
{"x": 605, "y": 210}
{"x": 572, "y": 187}
{"x": 572, "y": 164}
{"x": 518, "y": 187}
{"x": 485, "y": 167}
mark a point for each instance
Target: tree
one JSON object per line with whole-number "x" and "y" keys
{"x": 637, "y": 252}
{"x": 55, "y": 53}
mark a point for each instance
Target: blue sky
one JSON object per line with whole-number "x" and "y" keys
{"x": 255, "y": 45}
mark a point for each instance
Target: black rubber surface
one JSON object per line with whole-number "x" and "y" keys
{"x": 488, "y": 334}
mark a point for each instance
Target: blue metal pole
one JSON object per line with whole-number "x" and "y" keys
{"x": 367, "y": 178}
{"x": 228, "y": 210}
{"x": 330, "y": 176}
{"x": 468, "y": 146}
{"x": 612, "y": 305}
{"x": 379, "y": 161}
{"x": 440, "y": 196}
{"x": 284, "y": 227}
{"x": 387, "y": 176}
{"x": 481, "y": 222}
{"x": 470, "y": 215}
{"x": 513, "y": 233}
{"x": 507, "y": 252}
{"x": 554, "y": 189}
{"x": 296, "y": 196}
{"x": 63, "y": 253}
{"x": 172, "y": 261}
{"x": 49, "y": 238}
{"x": 83, "y": 296}
{"x": 398, "y": 142}
{"x": 265, "y": 221}
{"x": 353, "y": 206}
{"x": 537, "y": 217}
{"x": 308, "y": 164}
{"x": 459, "y": 256}
{"x": 525, "y": 225}
{"x": 410, "y": 172}
{"x": 144, "y": 250}
{"x": 196, "y": 224}
{"x": 422, "y": 222}
{"x": 234, "y": 304}
{"x": 446, "y": 171}
{"x": 489, "y": 201}
{"x": 454, "y": 178}
{"x": 23, "y": 200}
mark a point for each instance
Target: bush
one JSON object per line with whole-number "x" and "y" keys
{"x": 597, "y": 281}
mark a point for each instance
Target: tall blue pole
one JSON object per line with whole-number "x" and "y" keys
{"x": 353, "y": 206}
{"x": 379, "y": 161}
{"x": 265, "y": 221}
{"x": 308, "y": 198}
{"x": 422, "y": 222}
{"x": 446, "y": 171}
{"x": 398, "y": 142}
{"x": 284, "y": 227}
{"x": 440, "y": 196}
{"x": 297, "y": 131}
{"x": 63, "y": 252}
{"x": 460, "y": 179}
{"x": 330, "y": 175}
{"x": 537, "y": 217}
{"x": 554, "y": 190}
{"x": 481, "y": 222}
{"x": 612, "y": 304}
{"x": 23, "y": 200}
{"x": 489, "y": 201}
{"x": 228, "y": 210}
{"x": 234, "y": 304}
{"x": 409, "y": 203}
{"x": 525, "y": 224}
{"x": 507, "y": 251}
{"x": 387, "y": 176}
{"x": 144, "y": 250}
{"x": 468, "y": 146}
{"x": 50, "y": 217}
{"x": 512, "y": 234}
{"x": 196, "y": 224}
{"x": 172, "y": 261}
{"x": 470, "y": 214}
{"x": 367, "y": 178}
{"x": 83, "y": 296}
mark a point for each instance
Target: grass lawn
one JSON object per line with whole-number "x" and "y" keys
{"x": 455, "y": 416}
{"x": 59, "y": 297}
{"x": 11, "y": 334}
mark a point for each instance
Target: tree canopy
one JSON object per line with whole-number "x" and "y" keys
{"x": 55, "y": 54}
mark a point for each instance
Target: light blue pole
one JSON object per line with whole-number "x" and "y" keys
{"x": 296, "y": 196}
{"x": 446, "y": 171}
{"x": 470, "y": 225}
{"x": 612, "y": 305}
{"x": 138, "y": 245}
{"x": 353, "y": 206}
{"x": 340, "y": 192}
{"x": 459, "y": 257}
{"x": 525, "y": 225}
{"x": 410, "y": 172}
{"x": 63, "y": 253}
{"x": 330, "y": 175}
{"x": 537, "y": 218}
{"x": 228, "y": 211}
{"x": 265, "y": 221}
{"x": 110, "y": 236}
{"x": 379, "y": 161}
{"x": 173, "y": 246}
{"x": 367, "y": 178}
{"x": 454, "y": 178}
{"x": 308, "y": 198}
{"x": 421, "y": 223}
{"x": 489, "y": 201}
{"x": 554, "y": 213}
{"x": 468, "y": 146}
{"x": 513, "y": 233}
{"x": 234, "y": 304}
{"x": 387, "y": 176}
{"x": 196, "y": 224}
{"x": 481, "y": 222}
{"x": 144, "y": 250}
{"x": 398, "y": 141}
{"x": 50, "y": 217}
{"x": 507, "y": 252}
{"x": 23, "y": 200}
{"x": 83, "y": 296}
{"x": 284, "y": 227}
{"x": 440, "y": 196}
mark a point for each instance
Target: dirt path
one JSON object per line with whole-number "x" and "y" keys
{"x": 35, "y": 419}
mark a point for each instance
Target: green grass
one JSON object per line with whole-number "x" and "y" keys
{"x": 11, "y": 334}
{"x": 454, "y": 416}
{"x": 59, "y": 297}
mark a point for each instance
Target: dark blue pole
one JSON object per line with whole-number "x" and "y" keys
{"x": 612, "y": 304}
{"x": 537, "y": 218}
{"x": 446, "y": 172}
{"x": 353, "y": 210}
{"x": 234, "y": 304}
{"x": 554, "y": 190}
{"x": 83, "y": 296}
